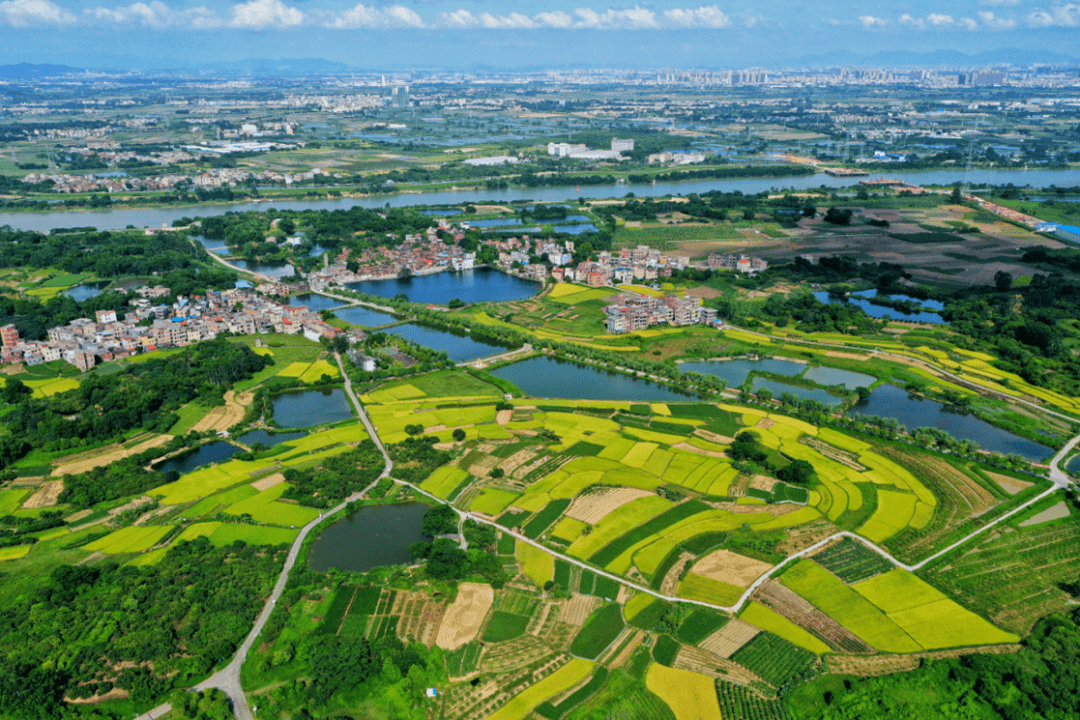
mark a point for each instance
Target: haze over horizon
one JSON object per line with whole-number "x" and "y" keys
{"x": 466, "y": 34}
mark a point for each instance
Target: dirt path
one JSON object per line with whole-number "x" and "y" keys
{"x": 107, "y": 456}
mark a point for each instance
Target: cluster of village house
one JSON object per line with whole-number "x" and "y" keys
{"x": 147, "y": 326}
{"x": 213, "y": 178}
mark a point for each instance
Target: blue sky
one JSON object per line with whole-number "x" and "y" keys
{"x": 519, "y": 33}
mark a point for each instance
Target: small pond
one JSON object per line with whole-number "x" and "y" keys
{"x": 551, "y": 378}
{"x": 312, "y": 407}
{"x": 779, "y": 388}
{"x": 268, "y": 439}
{"x": 270, "y": 270}
{"x": 360, "y": 315}
{"x": 314, "y": 302}
{"x": 1073, "y": 466}
{"x": 479, "y": 285}
{"x": 195, "y": 459}
{"x": 86, "y": 291}
{"x": 915, "y": 412}
{"x": 861, "y": 300}
{"x": 736, "y": 371}
{"x": 835, "y": 376}
{"x": 371, "y": 537}
{"x": 459, "y": 346}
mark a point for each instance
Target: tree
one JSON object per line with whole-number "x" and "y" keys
{"x": 956, "y": 197}
{"x": 459, "y": 435}
{"x": 1002, "y": 281}
{"x": 14, "y": 391}
{"x": 837, "y": 216}
{"x": 439, "y": 520}
{"x": 455, "y": 303}
{"x": 414, "y": 429}
{"x": 799, "y": 472}
{"x": 496, "y": 473}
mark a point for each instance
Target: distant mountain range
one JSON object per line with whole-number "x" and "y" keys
{"x": 262, "y": 67}
{"x": 28, "y": 70}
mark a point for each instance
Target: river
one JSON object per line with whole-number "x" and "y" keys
{"x": 119, "y": 218}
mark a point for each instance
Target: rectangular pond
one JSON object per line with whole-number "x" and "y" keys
{"x": 548, "y": 377}
{"x": 835, "y": 376}
{"x": 371, "y": 537}
{"x": 312, "y": 407}
{"x": 268, "y": 439}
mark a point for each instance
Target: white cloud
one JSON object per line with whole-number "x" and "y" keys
{"x": 940, "y": 20}
{"x": 635, "y": 18}
{"x": 33, "y": 13}
{"x": 967, "y": 23}
{"x": 1067, "y": 15}
{"x": 156, "y": 15}
{"x": 363, "y": 17}
{"x": 555, "y": 19}
{"x": 702, "y": 17}
{"x": 265, "y": 14}
{"x": 871, "y": 22}
{"x": 992, "y": 21}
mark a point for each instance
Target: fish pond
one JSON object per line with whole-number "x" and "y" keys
{"x": 195, "y": 459}
{"x": 914, "y": 412}
{"x": 472, "y": 286}
{"x": 312, "y": 407}
{"x": 371, "y": 537}
{"x": 549, "y": 377}
{"x": 459, "y": 346}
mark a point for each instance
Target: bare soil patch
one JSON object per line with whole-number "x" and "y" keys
{"x": 107, "y": 455}
{"x": 592, "y": 507}
{"x": 579, "y": 608}
{"x": 45, "y": 496}
{"x": 703, "y": 292}
{"x": 687, "y": 447}
{"x": 713, "y": 437}
{"x": 1010, "y": 484}
{"x": 670, "y": 582}
{"x": 802, "y": 613}
{"x": 726, "y": 641}
{"x": 762, "y": 482}
{"x": 465, "y": 616}
{"x": 731, "y": 568}
{"x": 875, "y": 665}
{"x": 706, "y": 663}
{"x": 627, "y": 651}
{"x": 503, "y": 416}
{"x": 765, "y": 423}
{"x": 223, "y": 418}
{"x": 268, "y": 482}
{"x": 1061, "y": 510}
{"x": 114, "y": 694}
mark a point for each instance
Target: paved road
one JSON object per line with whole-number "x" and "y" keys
{"x": 228, "y": 678}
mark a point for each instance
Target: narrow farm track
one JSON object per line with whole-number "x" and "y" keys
{"x": 228, "y": 678}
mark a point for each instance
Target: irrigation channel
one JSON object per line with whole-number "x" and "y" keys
{"x": 228, "y": 678}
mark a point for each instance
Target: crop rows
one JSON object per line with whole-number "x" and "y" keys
{"x": 464, "y": 660}
{"x": 554, "y": 712}
{"x": 776, "y": 660}
{"x": 543, "y": 519}
{"x": 599, "y": 632}
{"x": 851, "y": 561}
{"x": 664, "y": 520}
{"x": 743, "y": 703}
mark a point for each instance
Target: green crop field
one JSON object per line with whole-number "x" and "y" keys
{"x": 645, "y": 531}
{"x": 492, "y": 501}
{"x": 129, "y": 539}
{"x": 617, "y": 523}
{"x": 218, "y": 502}
{"x": 536, "y": 564}
{"x": 600, "y": 630}
{"x": 926, "y": 614}
{"x": 665, "y": 650}
{"x": 543, "y": 519}
{"x": 697, "y": 587}
{"x": 763, "y": 618}
{"x": 11, "y": 500}
{"x": 14, "y": 552}
{"x": 504, "y": 626}
{"x": 851, "y": 561}
{"x": 443, "y": 481}
{"x": 265, "y": 508}
{"x": 700, "y": 624}
{"x": 566, "y": 677}
{"x": 222, "y": 534}
{"x": 637, "y": 604}
{"x": 774, "y": 659}
{"x": 830, "y": 595}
